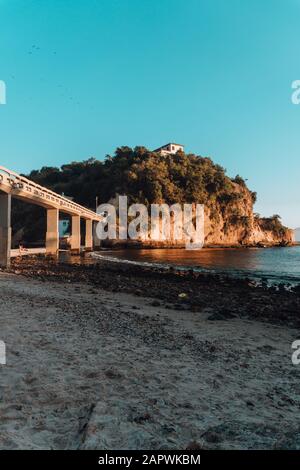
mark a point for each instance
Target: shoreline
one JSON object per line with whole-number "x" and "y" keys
{"x": 34, "y": 249}
{"x": 180, "y": 289}
{"x": 259, "y": 277}
{"x": 158, "y": 246}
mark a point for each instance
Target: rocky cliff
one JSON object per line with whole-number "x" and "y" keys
{"x": 226, "y": 223}
{"x": 235, "y": 223}
{"x": 149, "y": 177}
{"x": 228, "y": 202}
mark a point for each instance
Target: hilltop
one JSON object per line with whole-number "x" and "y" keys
{"x": 149, "y": 177}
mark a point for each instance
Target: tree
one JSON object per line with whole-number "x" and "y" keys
{"x": 146, "y": 177}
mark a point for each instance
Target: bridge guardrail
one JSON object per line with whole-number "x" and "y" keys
{"x": 17, "y": 181}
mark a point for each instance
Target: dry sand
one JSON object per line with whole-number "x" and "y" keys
{"x": 89, "y": 369}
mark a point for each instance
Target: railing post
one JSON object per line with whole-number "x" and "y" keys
{"x": 76, "y": 237}
{"x": 5, "y": 229}
{"x": 52, "y": 235}
{"x": 89, "y": 235}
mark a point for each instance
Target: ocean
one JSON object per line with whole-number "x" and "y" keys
{"x": 275, "y": 265}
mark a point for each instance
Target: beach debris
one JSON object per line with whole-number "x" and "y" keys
{"x": 182, "y": 295}
{"x": 212, "y": 436}
{"x": 208, "y": 292}
{"x": 113, "y": 374}
{"x": 141, "y": 419}
{"x": 194, "y": 445}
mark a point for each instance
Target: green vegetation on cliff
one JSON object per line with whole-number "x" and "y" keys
{"x": 148, "y": 177}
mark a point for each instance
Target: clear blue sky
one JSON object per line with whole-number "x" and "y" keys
{"x": 86, "y": 76}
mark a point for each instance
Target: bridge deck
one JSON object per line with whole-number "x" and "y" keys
{"x": 24, "y": 189}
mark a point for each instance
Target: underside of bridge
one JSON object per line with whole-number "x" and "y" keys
{"x": 52, "y": 231}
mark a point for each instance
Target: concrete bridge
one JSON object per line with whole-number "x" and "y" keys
{"x": 16, "y": 186}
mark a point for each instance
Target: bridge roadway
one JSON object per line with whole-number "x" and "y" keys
{"x": 14, "y": 185}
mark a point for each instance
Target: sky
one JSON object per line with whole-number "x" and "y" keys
{"x": 86, "y": 76}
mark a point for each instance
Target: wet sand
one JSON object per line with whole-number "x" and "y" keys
{"x": 108, "y": 357}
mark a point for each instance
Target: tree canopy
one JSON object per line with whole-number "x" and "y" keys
{"x": 145, "y": 177}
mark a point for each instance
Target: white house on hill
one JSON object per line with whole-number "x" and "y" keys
{"x": 169, "y": 149}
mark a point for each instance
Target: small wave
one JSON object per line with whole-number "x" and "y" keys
{"x": 257, "y": 276}
{"x": 127, "y": 261}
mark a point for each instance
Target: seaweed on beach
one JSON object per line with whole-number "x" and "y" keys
{"x": 224, "y": 297}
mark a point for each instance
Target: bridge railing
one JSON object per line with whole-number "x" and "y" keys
{"x": 18, "y": 182}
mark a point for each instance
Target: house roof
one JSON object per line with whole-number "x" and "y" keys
{"x": 165, "y": 145}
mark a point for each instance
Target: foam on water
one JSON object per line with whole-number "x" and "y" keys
{"x": 274, "y": 265}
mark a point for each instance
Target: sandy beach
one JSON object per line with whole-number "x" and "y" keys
{"x": 90, "y": 367}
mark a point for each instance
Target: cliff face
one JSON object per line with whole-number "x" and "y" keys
{"x": 227, "y": 222}
{"x": 234, "y": 223}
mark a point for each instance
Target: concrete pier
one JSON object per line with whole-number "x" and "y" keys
{"x": 52, "y": 235}
{"x": 96, "y": 240}
{"x": 89, "y": 235}
{"x": 13, "y": 185}
{"x": 5, "y": 229}
{"x": 76, "y": 236}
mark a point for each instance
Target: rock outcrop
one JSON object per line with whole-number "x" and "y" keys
{"x": 147, "y": 178}
{"x": 227, "y": 222}
{"x": 235, "y": 223}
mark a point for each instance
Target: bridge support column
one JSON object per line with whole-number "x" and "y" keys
{"x": 52, "y": 235}
{"x": 75, "y": 237}
{"x": 5, "y": 229}
{"x": 89, "y": 235}
{"x": 97, "y": 241}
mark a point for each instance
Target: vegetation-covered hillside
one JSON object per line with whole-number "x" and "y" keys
{"x": 148, "y": 177}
